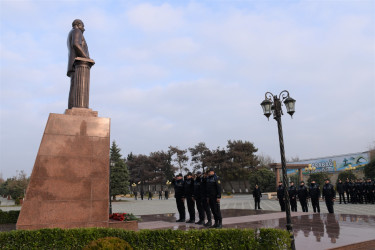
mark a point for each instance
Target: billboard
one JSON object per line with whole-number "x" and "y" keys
{"x": 335, "y": 163}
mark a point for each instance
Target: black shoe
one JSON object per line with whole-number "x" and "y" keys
{"x": 190, "y": 221}
{"x": 180, "y": 220}
{"x": 220, "y": 224}
{"x": 214, "y": 225}
{"x": 259, "y": 208}
{"x": 208, "y": 224}
{"x": 200, "y": 222}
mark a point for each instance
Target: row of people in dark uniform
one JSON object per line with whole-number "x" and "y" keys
{"x": 142, "y": 193}
{"x": 356, "y": 191}
{"x": 304, "y": 194}
{"x": 202, "y": 191}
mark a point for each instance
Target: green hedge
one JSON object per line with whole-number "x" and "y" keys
{"x": 9, "y": 217}
{"x": 148, "y": 239}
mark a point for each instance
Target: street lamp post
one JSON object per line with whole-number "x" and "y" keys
{"x": 310, "y": 168}
{"x": 350, "y": 168}
{"x": 272, "y": 104}
{"x": 111, "y": 164}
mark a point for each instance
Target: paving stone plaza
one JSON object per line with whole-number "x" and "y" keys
{"x": 351, "y": 223}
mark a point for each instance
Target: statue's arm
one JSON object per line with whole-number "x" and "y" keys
{"x": 77, "y": 44}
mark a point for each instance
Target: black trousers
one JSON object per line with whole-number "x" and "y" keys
{"x": 257, "y": 202}
{"x": 215, "y": 208}
{"x": 199, "y": 203}
{"x": 206, "y": 208}
{"x": 303, "y": 203}
{"x": 371, "y": 197}
{"x": 348, "y": 196}
{"x": 180, "y": 208}
{"x": 293, "y": 204}
{"x": 329, "y": 203}
{"x": 282, "y": 204}
{"x": 191, "y": 207}
{"x": 343, "y": 197}
{"x": 315, "y": 204}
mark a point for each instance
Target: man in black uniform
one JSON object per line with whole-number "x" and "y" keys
{"x": 179, "y": 194}
{"x": 347, "y": 189}
{"x": 303, "y": 195}
{"x": 205, "y": 203}
{"x": 197, "y": 196}
{"x": 370, "y": 191}
{"x": 293, "y": 197}
{"x": 314, "y": 192}
{"x": 353, "y": 192}
{"x": 257, "y": 194}
{"x": 359, "y": 188}
{"x": 189, "y": 190}
{"x": 166, "y": 194}
{"x": 280, "y": 196}
{"x": 142, "y": 193}
{"x": 214, "y": 196}
{"x": 340, "y": 188}
{"x": 329, "y": 195}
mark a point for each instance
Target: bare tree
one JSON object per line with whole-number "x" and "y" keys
{"x": 200, "y": 155}
{"x": 179, "y": 156}
{"x": 265, "y": 160}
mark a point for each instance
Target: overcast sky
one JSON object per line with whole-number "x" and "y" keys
{"x": 183, "y": 72}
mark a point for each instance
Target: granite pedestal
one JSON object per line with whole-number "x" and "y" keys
{"x": 69, "y": 183}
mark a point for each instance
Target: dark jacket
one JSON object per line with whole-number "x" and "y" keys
{"x": 189, "y": 187}
{"x": 204, "y": 187}
{"x": 303, "y": 193}
{"x": 197, "y": 188}
{"x": 213, "y": 186}
{"x": 328, "y": 191}
{"x": 340, "y": 188}
{"x": 179, "y": 191}
{"x": 257, "y": 193}
{"x": 280, "y": 192}
{"x": 292, "y": 192}
{"x": 314, "y": 191}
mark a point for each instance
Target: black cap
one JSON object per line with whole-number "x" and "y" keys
{"x": 179, "y": 175}
{"x": 211, "y": 169}
{"x": 327, "y": 179}
{"x": 199, "y": 172}
{"x": 302, "y": 182}
{"x": 189, "y": 174}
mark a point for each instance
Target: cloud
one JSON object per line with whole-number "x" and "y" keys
{"x": 182, "y": 73}
{"x": 152, "y": 18}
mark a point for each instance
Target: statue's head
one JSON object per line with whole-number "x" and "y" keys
{"x": 79, "y": 24}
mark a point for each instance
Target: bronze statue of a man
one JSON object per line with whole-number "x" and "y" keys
{"x": 78, "y": 57}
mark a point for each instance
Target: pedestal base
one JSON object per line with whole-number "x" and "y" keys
{"x": 69, "y": 183}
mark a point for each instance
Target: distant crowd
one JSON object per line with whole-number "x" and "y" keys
{"x": 359, "y": 191}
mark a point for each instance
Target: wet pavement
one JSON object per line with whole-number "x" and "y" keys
{"x": 311, "y": 231}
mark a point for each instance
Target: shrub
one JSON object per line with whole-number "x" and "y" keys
{"x": 9, "y": 217}
{"x": 346, "y": 175}
{"x": 264, "y": 178}
{"x": 369, "y": 169}
{"x": 148, "y": 239}
{"x": 319, "y": 178}
{"x": 110, "y": 243}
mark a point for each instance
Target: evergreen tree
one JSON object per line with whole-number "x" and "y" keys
{"x": 119, "y": 179}
{"x": 200, "y": 155}
{"x": 264, "y": 178}
{"x": 370, "y": 169}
